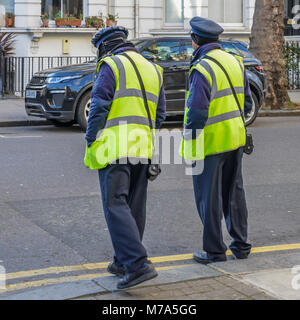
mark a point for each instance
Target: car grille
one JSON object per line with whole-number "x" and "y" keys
{"x": 37, "y": 81}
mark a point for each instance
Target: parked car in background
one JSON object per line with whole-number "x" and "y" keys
{"x": 62, "y": 95}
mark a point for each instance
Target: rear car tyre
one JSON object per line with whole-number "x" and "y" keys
{"x": 62, "y": 123}
{"x": 83, "y": 109}
{"x": 255, "y": 107}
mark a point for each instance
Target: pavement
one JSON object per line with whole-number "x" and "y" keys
{"x": 270, "y": 273}
{"x": 12, "y": 112}
{"x": 266, "y": 275}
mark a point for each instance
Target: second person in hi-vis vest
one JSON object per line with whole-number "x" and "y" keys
{"x": 215, "y": 132}
{"x": 120, "y": 142}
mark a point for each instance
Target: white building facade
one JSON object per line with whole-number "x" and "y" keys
{"x": 143, "y": 18}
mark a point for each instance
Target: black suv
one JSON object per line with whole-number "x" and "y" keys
{"x": 62, "y": 95}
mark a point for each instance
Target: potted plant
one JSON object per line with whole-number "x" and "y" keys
{"x": 45, "y": 20}
{"x": 111, "y": 20}
{"x": 94, "y": 22}
{"x": 88, "y": 22}
{"x": 60, "y": 21}
{"x": 7, "y": 42}
{"x": 74, "y": 22}
{"x": 97, "y": 22}
{"x": 9, "y": 20}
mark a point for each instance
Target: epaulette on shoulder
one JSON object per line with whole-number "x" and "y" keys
{"x": 195, "y": 62}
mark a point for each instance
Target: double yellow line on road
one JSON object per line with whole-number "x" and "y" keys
{"x": 103, "y": 265}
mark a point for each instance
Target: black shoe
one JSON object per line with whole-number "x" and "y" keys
{"x": 131, "y": 279}
{"x": 240, "y": 254}
{"x": 116, "y": 270}
{"x": 205, "y": 258}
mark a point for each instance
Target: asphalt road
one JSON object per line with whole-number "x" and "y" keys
{"x": 51, "y": 212}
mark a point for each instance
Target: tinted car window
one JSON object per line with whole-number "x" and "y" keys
{"x": 139, "y": 44}
{"x": 187, "y": 50}
{"x": 230, "y": 47}
{"x": 163, "y": 51}
{"x": 244, "y": 51}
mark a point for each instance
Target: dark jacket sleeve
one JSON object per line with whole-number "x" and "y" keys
{"x": 248, "y": 96}
{"x": 101, "y": 100}
{"x": 161, "y": 109}
{"x": 198, "y": 101}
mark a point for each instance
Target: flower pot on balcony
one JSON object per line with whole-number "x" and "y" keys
{"x": 61, "y": 22}
{"x": 111, "y": 19}
{"x": 110, "y": 23}
{"x": 45, "y": 23}
{"x": 75, "y": 23}
{"x": 97, "y": 22}
{"x": 45, "y": 20}
{"x": 88, "y": 22}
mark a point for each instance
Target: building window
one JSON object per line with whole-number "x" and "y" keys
{"x": 291, "y": 17}
{"x": 174, "y": 12}
{"x": 62, "y": 8}
{"x": 8, "y": 5}
{"x": 226, "y": 11}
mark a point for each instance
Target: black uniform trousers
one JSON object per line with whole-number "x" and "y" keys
{"x": 219, "y": 190}
{"x": 124, "y": 195}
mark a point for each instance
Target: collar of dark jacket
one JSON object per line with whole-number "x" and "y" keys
{"x": 123, "y": 49}
{"x": 203, "y": 50}
{"x": 118, "y": 51}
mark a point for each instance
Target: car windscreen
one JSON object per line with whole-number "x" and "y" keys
{"x": 246, "y": 53}
{"x": 139, "y": 44}
{"x": 233, "y": 47}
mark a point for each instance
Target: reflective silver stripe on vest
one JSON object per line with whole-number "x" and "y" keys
{"x": 223, "y": 117}
{"x": 187, "y": 133}
{"x": 128, "y": 120}
{"x": 123, "y": 91}
{"x": 209, "y": 69}
{"x": 242, "y": 69}
{"x": 228, "y": 92}
{"x": 135, "y": 93}
{"x": 122, "y": 73}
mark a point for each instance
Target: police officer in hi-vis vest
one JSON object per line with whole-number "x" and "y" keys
{"x": 127, "y": 105}
{"x": 215, "y": 132}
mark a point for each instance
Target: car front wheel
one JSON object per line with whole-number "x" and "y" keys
{"x": 83, "y": 109}
{"x": 253, "y": 114}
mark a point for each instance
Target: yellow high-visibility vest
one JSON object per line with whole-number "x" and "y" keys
{"x": 127, "y": 132}
{"x": 224, "y": 130}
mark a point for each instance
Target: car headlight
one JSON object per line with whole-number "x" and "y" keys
{"x": 61, "y": 79}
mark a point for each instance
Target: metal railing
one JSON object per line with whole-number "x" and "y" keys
{"x": 16, "y": 72}
{"x": 292, "y": 59}
{"x": 2, "y": 56}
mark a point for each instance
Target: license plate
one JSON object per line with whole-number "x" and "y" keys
{"x": 31, "y": 94}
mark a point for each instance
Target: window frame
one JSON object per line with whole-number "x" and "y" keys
{"x": 173, "y": 24}
{"x": 233, "y": 24}
{"x": 11, "y": 5}
{"x": 84, "y": 8}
